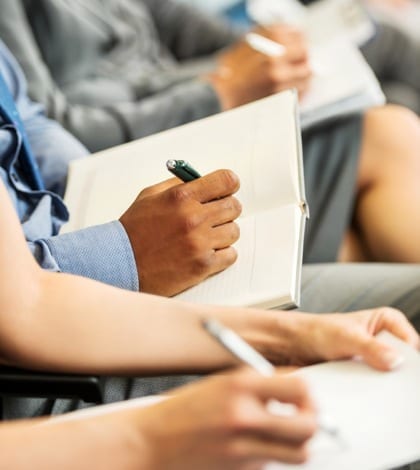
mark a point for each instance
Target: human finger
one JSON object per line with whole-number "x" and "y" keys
{"x": 300, "y": 85}
{"x": 219, "y": 184}
{"x": 286, "y": 389}
{"x": 287, "y": 75}
{"x": 294, "y": 429}
{"x": 223, "y": 210}
{"x": 250, "y": 449}
{"x": 377, "y": 354}
{"x": 297, "y": 53}
{"x": 225, "y": 235}
{"x": 395, "y": 322}
{"x": 222, "y": 259}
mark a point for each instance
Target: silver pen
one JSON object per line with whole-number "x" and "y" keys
{"x": 240, "y": 349}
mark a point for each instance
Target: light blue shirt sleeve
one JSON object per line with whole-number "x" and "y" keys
{"x": 102, "y": 252}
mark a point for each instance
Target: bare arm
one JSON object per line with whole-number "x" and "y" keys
{"x": 66, "y": 323}
{"x": 201, "y": 423}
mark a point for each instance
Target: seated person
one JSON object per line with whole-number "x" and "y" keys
{"x": 111, "y": 254}
{"x": 134, "y": 76}
{"x": 392, "y": 52}
{"x": 107, "y": 330}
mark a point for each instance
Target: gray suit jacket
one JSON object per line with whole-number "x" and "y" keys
{"x": 115, "y": 70}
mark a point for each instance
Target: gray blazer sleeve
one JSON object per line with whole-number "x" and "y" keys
{"x": 96, "y": 128}
{"x": 101, "y": 127}
{"x": 189, "y": 32}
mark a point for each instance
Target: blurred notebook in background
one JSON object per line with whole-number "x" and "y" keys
{"x": 322, "y": 20}
{"x": 343, "y": 83}
{"x": 261, "y": 142}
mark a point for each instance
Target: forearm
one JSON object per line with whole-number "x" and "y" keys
{"x": 99, "y": 329}
{"x": 106, "y": 442}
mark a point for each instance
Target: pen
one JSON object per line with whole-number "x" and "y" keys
{"x": 183, "y": 170}
{"x": 265, "y": 45}
{"x": 240, "y": 349}
{"x": 272, "y": 48}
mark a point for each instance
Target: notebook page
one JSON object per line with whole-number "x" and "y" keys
{"x": 342, "y": 76}
{"x": 257, "y": 141}
{"x": 264, "y": 274}
{"x": 378, "y": 414}
{"x": 321, "y": 20}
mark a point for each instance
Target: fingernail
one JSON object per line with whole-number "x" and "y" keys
{"x": 394, "y": 360}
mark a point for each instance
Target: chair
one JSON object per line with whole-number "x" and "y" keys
{"x": 31, "y": 384}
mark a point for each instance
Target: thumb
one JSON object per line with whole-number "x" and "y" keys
{"x": 381, "y": 356}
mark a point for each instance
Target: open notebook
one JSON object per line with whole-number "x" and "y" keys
{"x": 261, "y": 143}
{"x": 377, "y": 414}
{"x": 343, "y": 83}
{"x": 321, "y": 20}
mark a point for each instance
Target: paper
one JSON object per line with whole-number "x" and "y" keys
{"x": 378, "y": 414}
{"x": 322, "y": 20}
{"x": 259, "y": 286}
{"x": 343, "y": 85}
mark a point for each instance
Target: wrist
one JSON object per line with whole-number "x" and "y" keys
{"x": 272, "y": 333}
{"x": 219, "y": 81}
{"x": 133, "y": 443}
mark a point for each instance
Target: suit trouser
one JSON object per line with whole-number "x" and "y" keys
{"x": 395, "y": 58}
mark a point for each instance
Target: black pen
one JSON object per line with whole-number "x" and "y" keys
{"x": 183, "y": 170}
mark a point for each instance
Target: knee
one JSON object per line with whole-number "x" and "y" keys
{"x": 391, "y": 139}
{"x": 389, "y": 123}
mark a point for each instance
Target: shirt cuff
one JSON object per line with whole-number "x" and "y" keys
{"x": 102, "y": 252}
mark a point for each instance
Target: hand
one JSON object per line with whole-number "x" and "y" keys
{"x": 245, "y": 75}
{"x": 181, "y": 233}
{"x": 392, "y": 3}
{"x": 341, "y": 336}
{"x": 223, "y": 423}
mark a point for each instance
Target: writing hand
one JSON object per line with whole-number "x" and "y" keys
{"x": 182, "y": 233}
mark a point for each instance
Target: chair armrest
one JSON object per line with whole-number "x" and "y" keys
{"x": 31, "y": 384}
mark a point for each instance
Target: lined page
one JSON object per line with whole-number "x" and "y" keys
{"x": 265, "y": 272}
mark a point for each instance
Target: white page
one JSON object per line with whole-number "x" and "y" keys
{"x": 321, "y": 21}
{"x": 343, "y": 84}
{"x": 270, "y": 281}
{"x": 259, "y": 141}
{"x": 377, "y": 413}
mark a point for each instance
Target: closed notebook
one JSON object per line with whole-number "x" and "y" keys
{"x": 261, "y": 143}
